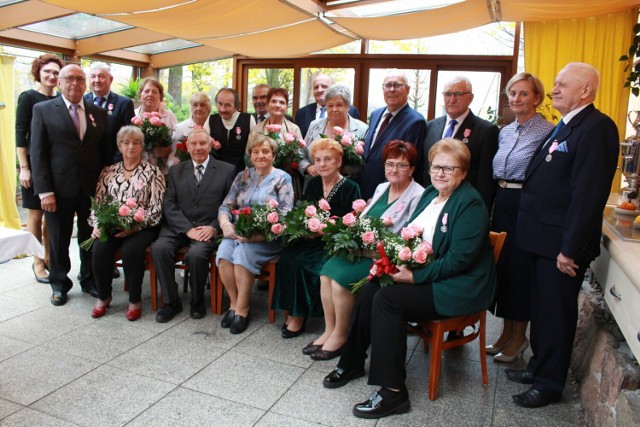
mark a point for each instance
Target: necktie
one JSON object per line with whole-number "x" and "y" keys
{"x": 383, "y": 126}
{"x": 323, "y": 110}
{"x": 556, "y": 130}
{"x": 98, "y": 100}
{"x": 450, "y": 129}
{"x": 75, "y": 118}
{"x": 199, "y": 173}
{"x": 261, "y": 119}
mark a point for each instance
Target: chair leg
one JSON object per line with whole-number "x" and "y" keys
{"x": 219, "y": 288}
{"x": 272, "y": 284}
{"x": 483, "y": 348}
{"x": 213, "y": 286}
{"x": 436, "y": 360}
{"x": 153, "y": 281}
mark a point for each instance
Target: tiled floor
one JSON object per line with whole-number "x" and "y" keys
{"x": 60, "y": 367}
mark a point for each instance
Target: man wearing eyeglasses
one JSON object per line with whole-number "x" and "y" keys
{"x": 480, "y": 136}
{"x": 395, "y": 121}
{"x": 69, "y": 147}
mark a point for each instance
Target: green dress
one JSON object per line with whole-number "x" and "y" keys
{"x": 345, "y": 272}
{"x": 297, "y": 287}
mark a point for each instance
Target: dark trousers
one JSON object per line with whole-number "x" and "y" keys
{"x": 554, "y": 314}
{"x": 380, "y": 318}
{"x": 132, "y": 250}
{"x": 60, "y": 226}
{"x": 197, "y": 260}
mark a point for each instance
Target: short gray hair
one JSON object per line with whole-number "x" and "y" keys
{"x": 461, "y": 79}
{"x": 100, "y": 66}
{"x": 338, "y": 90}
{"x": 199, "y": 96}
{"x": 260, "y": 139}
{"x": 128, "y": 131}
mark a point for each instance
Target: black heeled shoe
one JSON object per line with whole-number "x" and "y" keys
{"x": 287, "y": 334}
{"x": 383, "y": 403}
{"x": 239, "y": 324}
{"x": 227, "y": 320}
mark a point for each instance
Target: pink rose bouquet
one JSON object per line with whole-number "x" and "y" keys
{"x": 113, "y": 216}
{"x": 352, "y": 146}
{"x": 289, "y": 148}
{"x": 259, "y": 219}
{"x": 156, "y": 133}
{"x": 306, "y": 221}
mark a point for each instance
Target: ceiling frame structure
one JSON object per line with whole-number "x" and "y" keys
{"x": 263, "y": 28}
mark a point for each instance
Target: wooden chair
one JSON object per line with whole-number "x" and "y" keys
{"x": 268, "y": 274}
{"x": 179, "y": 258}
{"x": 433, "y": 331}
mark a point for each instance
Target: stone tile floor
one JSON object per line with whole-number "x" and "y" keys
{"x": 60, "y": 367}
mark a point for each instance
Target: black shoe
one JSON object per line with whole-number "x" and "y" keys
{"x": 286, "y": 333}
{"x": 454, "y": 335}
{"x": 311, "y": 348}
{"x": 339, "y": 377}
{"x": 519, "y": 375}
{"x": 227, "y": 320}
{"x": 533, "y": 398}
{"x": 239, "y": 324}
{"x": 78, "y": 277}
{"x": 383, "y": 403}
{"x": 58, "y": 298}
{"x": 168, "y": 312}
{"x": 91, "y": 291}
{"x": 116, "y": 273}
{"x": 197, "y": 310}
{"x": 39, "y": 279}
{"x": 326, "y": 355}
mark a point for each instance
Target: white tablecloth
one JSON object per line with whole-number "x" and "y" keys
{"x": 18, "y": 242}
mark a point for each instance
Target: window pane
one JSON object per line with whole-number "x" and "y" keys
{"x": 274, "y": 77}
{"x": 486, "y": 91}
{"x": 77, "y": 26}
{"x": 418, "y": 93}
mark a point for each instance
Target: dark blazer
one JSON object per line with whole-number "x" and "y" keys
{"x": 60, "y": 161}
{"x": 562, "y": 199}
{"x": 186, "y": 206}
{"x": 305, "y": 115}
{"x": 483, "y": 145}
{"x": 119, "y": 113}
{"x": 462, "y": 272}
{"x": 407, "y": 125}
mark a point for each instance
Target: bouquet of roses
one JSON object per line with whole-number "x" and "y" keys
{"x": 407, "y": 249}
{"x": 156, "y": 133}
{"x": 352, "y": 146}
{"x": 259, "y": 219}
{"x": 353, "y": 235}
{"x": 289, "y": 148}
{"x": 305, "y": 221}
{"x": 113, "y": 217}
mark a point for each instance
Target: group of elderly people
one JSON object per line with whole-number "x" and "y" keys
{"x": 453, "y": 216}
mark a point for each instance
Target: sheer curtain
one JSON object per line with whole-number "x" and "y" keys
{"x": 8, "y": 211}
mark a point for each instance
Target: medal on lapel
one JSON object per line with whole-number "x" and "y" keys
{"x": 238, "y": 132}
{"x": 552, "y": 148}
{"x": 445, "y": 217}
{"x": 93, "y": 121}
{"x": 110, "y": 109}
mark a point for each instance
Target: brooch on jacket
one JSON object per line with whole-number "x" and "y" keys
{"x": 445, "y": 217}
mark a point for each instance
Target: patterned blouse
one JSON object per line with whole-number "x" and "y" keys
{"x": 248, "y": 190}
{"x": 146, "y": 185}
{"x": 516, "y": 145}
{"x": 169, "y": 119}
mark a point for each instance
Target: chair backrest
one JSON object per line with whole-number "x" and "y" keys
{"x": 497, "y": 241}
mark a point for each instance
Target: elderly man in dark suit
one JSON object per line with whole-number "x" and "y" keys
{"x": 195, "y": 190}
{"x": 480, "y": 136}
{"x": 565, "y": 190}
{"x": 317, "y": 110}
{"x": 395, "y": 121}
{"x": 68, "y": 150}
{"x": 119, "y": 108}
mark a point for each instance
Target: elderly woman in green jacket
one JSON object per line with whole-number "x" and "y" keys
{"x": 459, "y": 280}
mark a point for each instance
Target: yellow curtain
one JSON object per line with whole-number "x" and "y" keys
{"x": 599, "y": 41}
{"x": 8, "y": 211}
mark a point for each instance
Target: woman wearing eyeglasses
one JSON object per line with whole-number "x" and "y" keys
{"x": 459, "y": 280}
{"x": 517, "y": 144}
{"x": 393, "y": 202}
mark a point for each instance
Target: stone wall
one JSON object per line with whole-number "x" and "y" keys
{"x": 609, "y": 379}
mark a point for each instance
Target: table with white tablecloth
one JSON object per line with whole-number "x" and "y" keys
{"x": 18, "y": 242}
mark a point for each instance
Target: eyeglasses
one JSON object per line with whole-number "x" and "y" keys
{"x": 395, "y": 85}
{"x": 399, "y": 166}
{"x": 458, "y": 95}
{"x": 448, "y": 170}
{"x": 71, "y": 79}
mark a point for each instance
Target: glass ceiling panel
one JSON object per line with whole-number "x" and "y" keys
{"x": 8, "y": 2}
{"x": 386, "y": 8}
{"x": 77, "y": 26}
{"x": 164, "y": 46}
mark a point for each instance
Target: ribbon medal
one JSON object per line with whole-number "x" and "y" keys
{"x": 238, "y": 132}
{"x": 445, "y": 217}
{"x": 552, "y": 148}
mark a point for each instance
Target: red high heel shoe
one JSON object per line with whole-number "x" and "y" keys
{"x": 99, "y": 311}
{"x": 134, "y": 314}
